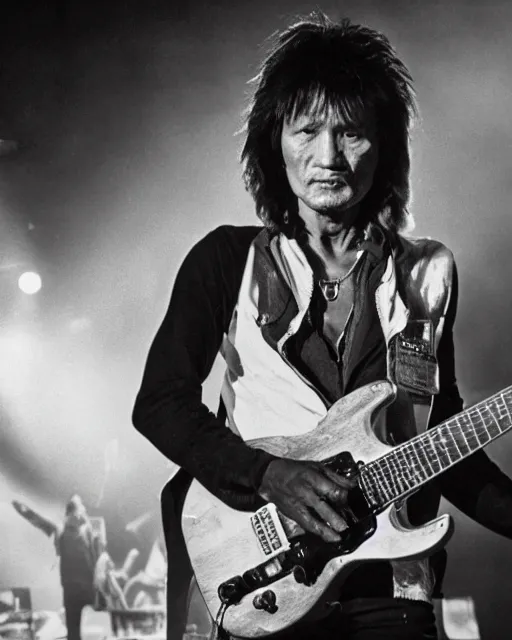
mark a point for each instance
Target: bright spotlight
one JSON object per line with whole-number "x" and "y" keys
{"x": 30, "y": 282}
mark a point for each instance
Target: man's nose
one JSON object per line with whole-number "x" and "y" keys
{"x": 331, "y": 151}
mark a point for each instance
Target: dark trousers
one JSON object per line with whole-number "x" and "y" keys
{"x": 370, "y": 619}
{"x": 75, "y": 599}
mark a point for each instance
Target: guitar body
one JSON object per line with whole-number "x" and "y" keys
{"x": 222, "y": 542}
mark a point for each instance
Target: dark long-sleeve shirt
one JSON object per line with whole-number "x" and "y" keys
{"x": 169, "y": 410}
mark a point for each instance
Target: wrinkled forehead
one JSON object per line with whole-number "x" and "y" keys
{"x": 318, "y": 102}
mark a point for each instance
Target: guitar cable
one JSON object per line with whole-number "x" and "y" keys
{"x": 218, "y": 632}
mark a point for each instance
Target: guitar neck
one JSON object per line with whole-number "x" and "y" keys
{"x": 410, "y": 465}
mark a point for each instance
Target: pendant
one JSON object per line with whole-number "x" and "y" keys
{"x": 330, "y": 289}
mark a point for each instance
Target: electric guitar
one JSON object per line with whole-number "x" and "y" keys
{"x": 259, "y": 573}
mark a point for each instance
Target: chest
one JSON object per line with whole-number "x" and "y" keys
{"x": 336, "y": 313}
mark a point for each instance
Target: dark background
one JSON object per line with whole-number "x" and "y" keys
{"x": 126, "y": 114}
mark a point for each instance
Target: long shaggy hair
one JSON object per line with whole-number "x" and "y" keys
{"x": 320, "y": 64}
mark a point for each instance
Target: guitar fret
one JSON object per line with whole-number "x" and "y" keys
{"x": 387, "y": 480}
{"x": 460, "y": 438}
{"x": 440, "y": 449}
{"x": 432, "y": 455}
{"x": 405, "y": 470}
{"x": 449, "y": 446}
{"x": 403, "y": 473}
{"x": 431, "y": 469}
{"x": 411, "y": 449}
{"x": 371, "y": 483}
{"x": 479, "y": 419}
{"x": 454, "y": 446}
{"x": 365, "y": 480}
{"x": 388, "y": 474}
{"x": 438, "y": 445}
{"x": 496, "y": 421}
{"x": 397, "y": 476}
{"x": 502, "y": 409}
{"x": 478, "y": 434}
{"x": 422, "y": 457}
{"x": 493, "y": 428}
{"x": 509, "y": 417}
{"x": 381, "y": 484}
{"x": 505, "y": 416}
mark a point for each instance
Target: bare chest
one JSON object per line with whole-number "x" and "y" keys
{"x": 337, "y": 313}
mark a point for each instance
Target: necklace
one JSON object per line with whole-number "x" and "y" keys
{"x": 331, "y": 288}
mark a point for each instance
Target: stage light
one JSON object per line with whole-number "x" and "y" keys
{"x": 30, "y": 282}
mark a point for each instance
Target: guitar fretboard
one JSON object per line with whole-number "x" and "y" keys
{"x": 410, "y": 465}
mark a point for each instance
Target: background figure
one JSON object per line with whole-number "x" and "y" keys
{"x": 147, "y": 587}
{"x": 109, "y": 581}
{"x": 78, "y": 546}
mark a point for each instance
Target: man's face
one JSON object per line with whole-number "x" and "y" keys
{"x": 78, "y": 515}
{"x": 330, "y": 162}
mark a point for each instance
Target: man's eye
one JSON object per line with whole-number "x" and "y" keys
{"x": 352, "y": 135}
{"x": 307, "y": 130}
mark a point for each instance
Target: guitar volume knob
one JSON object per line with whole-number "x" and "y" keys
{"x": 232, "y": 591}
{"x": 299, "y": 573}
{"x": 265, "y": 601}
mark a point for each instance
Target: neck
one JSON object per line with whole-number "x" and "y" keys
{"x": 335, "y": 244}
{"x": 331, "y": 245}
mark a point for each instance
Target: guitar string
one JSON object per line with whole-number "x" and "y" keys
{"x": 384, "y": 485}
{"x": 450, "y": 449}
{"x": 385, "y": 471}
{"x": 429, "y": 437}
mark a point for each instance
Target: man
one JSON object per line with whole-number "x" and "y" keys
{"x": 78, "y": 547}
{"x": 327, "y": 297}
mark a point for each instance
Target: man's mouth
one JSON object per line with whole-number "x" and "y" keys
{"x": 332, "y": 182}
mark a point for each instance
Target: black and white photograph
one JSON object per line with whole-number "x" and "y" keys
{"x": 255, "y": 345}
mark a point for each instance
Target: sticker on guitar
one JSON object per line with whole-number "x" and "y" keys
{"x": 269, "y": 531}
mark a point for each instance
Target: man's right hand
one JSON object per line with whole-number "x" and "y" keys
{"x": 20, "y": 507}
{"x": 308, "y": 493}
